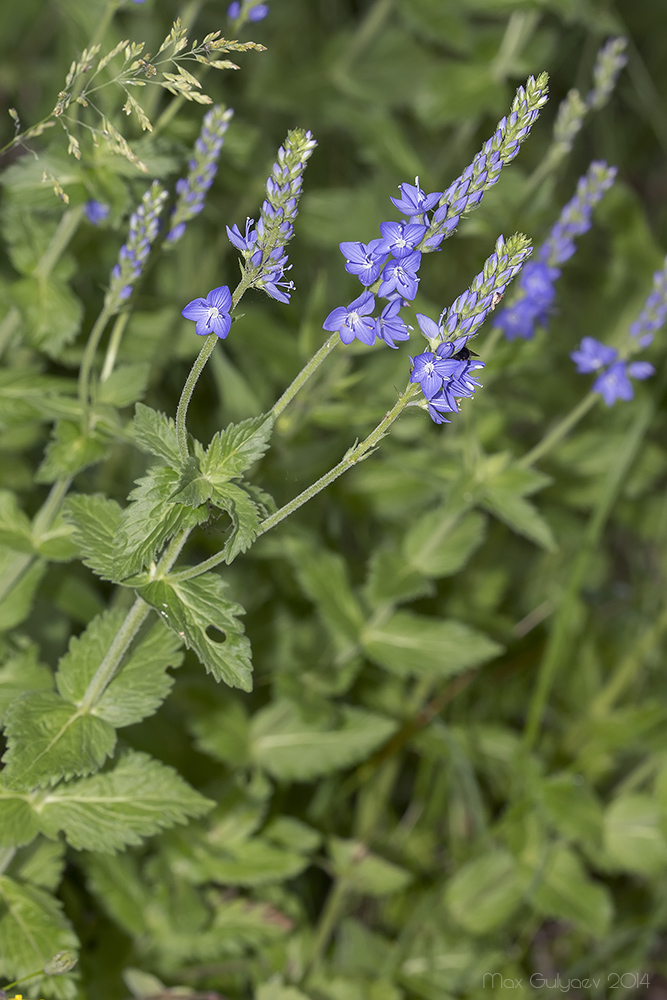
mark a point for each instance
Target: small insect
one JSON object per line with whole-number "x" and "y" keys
{"x": 497, "y": 296}
{"x": 464, "y": 354}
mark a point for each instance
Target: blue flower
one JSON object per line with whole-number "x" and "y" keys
{"x": 258, "y": 13}
{"x": 353, "y": 320}
{"x": 212, "y": 313}
{"x": 234, "y": 10}
{"x": 95, "y": 211}
{"x": 613, "y": 382}
{"x": 654, "y": 312}
{"x": 401, "y": 276}
{"x": 144, "y": 227}
{"x": 399, "y": 238}
{"x": 364, "y": 260}
{"x": 413, "y": 201}
{"x": 434, "y": 371}
{"x": 389, "y": 326}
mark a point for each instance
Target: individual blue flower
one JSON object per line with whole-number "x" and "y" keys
{"x": 434, "y": 370}
{"x": 389, "y": 326}
{"x": 212, "y": 313}
{"x": 401, "y": 276}
{"x": 654, "y": 312}
{"x": 413, "y": 201}
{"x": 258, "y": 13}
{"x": 96, "y": 211}
{"x": 399, "y": 238}
{"x": 531, "y": 308}
{"x": 364, "y": 260}
{"x": 203, "y": 166}
{"x": 353, "y": 320}
{"x": 234, "y": 9}
{"x": 593, "y": 355}
{"x": 614, "y": 383}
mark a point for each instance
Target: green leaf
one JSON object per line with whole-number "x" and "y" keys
{"x": 41, "y": 863}
{"x": 69, "y": 452}
{"x": 15, "y": 526}
{"x": 125, "y": 385}
{"x": 225, "y": 734}
{"x": 323, "y": 577}
{"x": 56, "y": 543}
{"x": 633, "y": 838}
{"x": 49, "y": 739}
{"x": 141, "y": 685}
{"x": 136, "y": 799}
{"x": 244, "y": 514}
{"x": 412, "y": 645}
{"x": 193, "y": 608}
{"x": 248, "y": 863}
{"x": 290, "y": 832}
{"x": 18, "y": 823}
{"x": 275, "y": 990}
{"x": 573, "y": 810}
{"x": 485, "y": 892}
{"x": 32, "y": 930}
{"x": 294, "y": 749}
{"x": 566, "y": 892}
{"x": 16, "y": 604}
{"x": 152, "y": 518}
{"x": 22, "y": 672}
{"x": 518, "y": 514}
{"x": 51, "y": 313}
{"x": 235, "y": 449}
{"x": 116, "y": 883}
{"x": 192, "y": 488}
{"x": 392, "y": 580}
{"x": 438, "y": 545}
{"x": 96, "y": 522}
{"x": 156, "y": 434}
{"x": 368, "y": 873}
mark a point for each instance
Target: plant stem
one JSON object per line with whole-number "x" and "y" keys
{"x": 47, "y": 512}
{"x": 305, "y": 373}
{"x": 87, "y": 362}
{"x": 557, "y": 433}
{"x": 628, "y": 667}
{"x": 189, "y": 387}
{"x": 329, "y": 917}
{"x": 353, "y": 456}
{"x": 65, "y": 230}
{"x": 113, "y": 656}
{"x": 114, "y": 343}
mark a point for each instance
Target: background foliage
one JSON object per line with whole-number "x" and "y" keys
{"x": 388, "y": 814}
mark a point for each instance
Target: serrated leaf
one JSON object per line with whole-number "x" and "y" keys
{"x": 368, "y": 873}
{"x": 15, "y": 526}
{"x": 22, "y": 672}
{"x": 141, "y": 685}
{"x": 392, "y": 580}
{"x": 518, "y": 514}
{"x": 192, "y": 608}
{"x": 49, "y": 739}
{"x": 293, "y": 749}
{"x": 24, "y": 575}
{"x": 414, "y": 645}
{"x": 437, "y": 545}
{"x": 156, "y": 434}
{"x": 192, "y": 487}
{"x": 96, "y": 522}
{"x": 152, "y": 518}
{"x": 51, "y": 313}
{"x": 125, "y": 385}
{"x": 235, "y": 449}
{"x": 56, "y": 543}
{"x": 244, "y": 514}
{"x": 33, "y": 929}
{"x": 18, "y": 823}
{"x": 485, "y": 892}
{"x": 69, "y": 452}
{"x": 135, "y": 800}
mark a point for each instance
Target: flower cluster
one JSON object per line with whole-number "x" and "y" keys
{"x": 391, "y": 262}
{"x": 256, "y": 12}
{"x": 536, "y": 291}
{"x": 262, "y": 246}
{"x": 445, "y": 371}
{"x": 610, "y": 61}
{"x": 144, "y": 227}
{"x": 202, "y": 168}
{"x": 614, "y": 372}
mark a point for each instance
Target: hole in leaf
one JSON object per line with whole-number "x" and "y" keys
{"x": 215, "y": 634}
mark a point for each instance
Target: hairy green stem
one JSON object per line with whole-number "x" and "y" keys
{"x": 353, "y": 456}
{"x": 305, "y": 373}
{"x": 186, "y": 395}
{"x": 110, "y": 663}
{"x": 47, "y": 513}
{"x": 114, "y": 344}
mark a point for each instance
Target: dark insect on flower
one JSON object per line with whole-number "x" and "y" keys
{"x": 464, "y": 354}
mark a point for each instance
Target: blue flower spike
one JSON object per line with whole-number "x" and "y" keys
{"x": 212, "y": 313}
{"x": 144, "y": 227}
